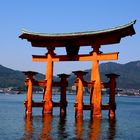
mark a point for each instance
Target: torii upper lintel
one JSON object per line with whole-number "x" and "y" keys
{"x": 89, "y": 38}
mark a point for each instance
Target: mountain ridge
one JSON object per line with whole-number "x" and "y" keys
{"x": 129, "y": 75}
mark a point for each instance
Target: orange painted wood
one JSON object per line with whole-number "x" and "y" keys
{"x": 57, "y": 58}
{"x": 96, "y": 97}
{"x": 37, "y": 83}
{"x": 79, "y": 93}
{"x": 29, "y": 97}
{"x": 48, "y": 105}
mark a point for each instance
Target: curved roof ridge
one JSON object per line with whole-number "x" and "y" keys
{"x": 24, "y": 31}
{"x": 100, "y": 37}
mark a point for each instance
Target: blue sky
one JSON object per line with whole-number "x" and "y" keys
{"x": 53, "y": 16}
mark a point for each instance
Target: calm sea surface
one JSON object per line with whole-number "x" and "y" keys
{"x": 14, "y": 126}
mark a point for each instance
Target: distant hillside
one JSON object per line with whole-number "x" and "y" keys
{"x": 13, "y": 78}
{"x": 129, "y": 75}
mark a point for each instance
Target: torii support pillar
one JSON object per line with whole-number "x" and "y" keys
{"x": 79, "y": 94}
{"x": 112, "y": 87}
{"x": 29, "y": 83}
{"x": 48, "y": 105}
{"x": 95, "y": 97}
{"x": 63, "y": 100}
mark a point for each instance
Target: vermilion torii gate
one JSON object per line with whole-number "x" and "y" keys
{"x": 72, "y": 42}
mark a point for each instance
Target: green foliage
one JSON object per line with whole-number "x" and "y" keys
{"x": 13, "y": 78}
{"x": 129, "y": 75}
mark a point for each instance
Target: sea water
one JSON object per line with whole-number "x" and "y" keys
{"x": 14, "y": 125}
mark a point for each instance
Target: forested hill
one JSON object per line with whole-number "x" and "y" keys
{"x": 13, "y": 78}
{"x": 129, "y": 75}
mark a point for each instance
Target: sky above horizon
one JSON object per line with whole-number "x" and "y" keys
{"x": 52, "y": 16}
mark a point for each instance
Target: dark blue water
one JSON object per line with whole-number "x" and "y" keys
{"x": 14, "y": 126}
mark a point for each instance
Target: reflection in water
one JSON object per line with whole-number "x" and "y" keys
{"x": 79, "y": 127}
{"x": 46, "y": 127}
{"x": 112, "y": 129}
{"x": 62, "y": 133}
{"x": 28, "y": 127}
{"x": 95, "y": 129}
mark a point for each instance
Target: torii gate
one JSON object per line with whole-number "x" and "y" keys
{"x": 72, "y": 42}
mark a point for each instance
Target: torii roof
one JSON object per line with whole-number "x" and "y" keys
{"x": 89, "y": 38}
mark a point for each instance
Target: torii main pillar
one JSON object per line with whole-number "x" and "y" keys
{"x": 96, "y": 97}
{"x": 48, "y": 105}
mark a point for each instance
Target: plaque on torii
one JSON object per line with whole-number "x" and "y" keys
{"x": 72, "y": 42}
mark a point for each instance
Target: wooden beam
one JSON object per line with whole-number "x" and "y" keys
{"x": 40, "y": 104}
{"x": 89, "y": 107}
{"x": 105, "y": 85}
{"x": 56, "y": 84}
{"x": 108, "y": 56}
{"x": 86, "y": 83}
{"x": 105, "y": 56}
{"x": 37, "y": 83}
